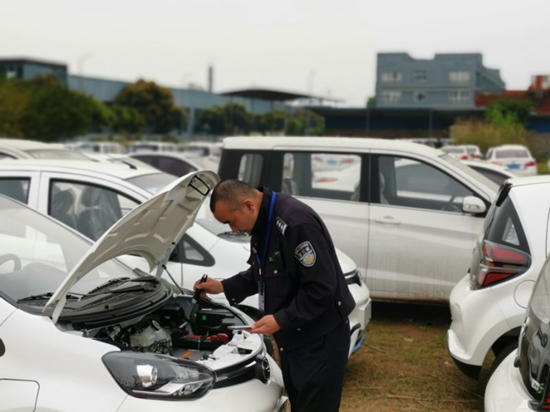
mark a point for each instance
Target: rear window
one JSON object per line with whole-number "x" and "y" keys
{"x": 457, "y": 150}
{"x": 505, "y": 227}
{"x": 509, "y": 153}
{"x": 153, "y": 183}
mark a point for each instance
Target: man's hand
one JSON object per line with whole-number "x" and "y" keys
{"x": 266, "y": 325}
{"x": 212, "y": 286}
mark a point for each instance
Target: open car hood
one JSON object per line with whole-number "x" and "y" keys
{"x": 151, "y": 231}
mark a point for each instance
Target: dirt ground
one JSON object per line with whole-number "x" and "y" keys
{"x": 404, "y": 365}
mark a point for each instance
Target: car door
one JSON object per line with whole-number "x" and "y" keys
{"x": 420, "y": 241}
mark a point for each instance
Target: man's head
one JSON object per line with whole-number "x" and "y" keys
{"x": 237, "y": 204}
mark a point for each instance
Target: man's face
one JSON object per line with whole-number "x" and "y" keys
{"x": 241, "y": 219}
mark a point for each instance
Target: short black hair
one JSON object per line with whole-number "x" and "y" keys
{"x": 231, "y": 192}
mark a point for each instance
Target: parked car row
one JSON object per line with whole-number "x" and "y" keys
{"x": 407, "y": 215}
{"x": 516, "y": 159}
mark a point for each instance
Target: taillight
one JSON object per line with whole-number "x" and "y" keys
{"x": 464, "y": 157}
{"x": 530, "y": 164}
{"x": 325, "y": 180}
{"x": 497, "y": 163}
{"x": 500, "y": 263}
{"x": 476, "y": 156}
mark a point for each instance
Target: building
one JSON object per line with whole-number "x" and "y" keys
{"x": 21, "y": 68}
{"x": 447, "y": 81}
{"x": 538, "y": 94}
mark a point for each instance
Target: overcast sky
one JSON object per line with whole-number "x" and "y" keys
{"x": 319, "y": 46}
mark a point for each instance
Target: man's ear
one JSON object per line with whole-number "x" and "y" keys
{"x": 249, "y": 205}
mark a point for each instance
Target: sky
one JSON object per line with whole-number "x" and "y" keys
{"x": 320, "y": 47}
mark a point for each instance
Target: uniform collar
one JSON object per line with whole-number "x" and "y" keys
{"x": 261, "y": 222}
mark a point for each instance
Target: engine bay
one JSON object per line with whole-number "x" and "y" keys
{"x": 187, "y": 329}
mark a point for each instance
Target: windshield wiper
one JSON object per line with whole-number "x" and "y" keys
{"x": 116, "y": 281}
{"x": 47, "y": 295}
{"x": 125, "y": 290}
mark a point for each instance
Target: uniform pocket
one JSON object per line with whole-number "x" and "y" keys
{"x": 278, "y": 283}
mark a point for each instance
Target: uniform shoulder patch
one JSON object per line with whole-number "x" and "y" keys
{"x": 281, "y": 225}
{"x": 305, "y": 254}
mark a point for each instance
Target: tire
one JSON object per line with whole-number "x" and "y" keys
{"x": 503, "y": 353}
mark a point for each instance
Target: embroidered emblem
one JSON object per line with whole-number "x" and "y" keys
{"x": 305, "y": 254}
{"x": 281, "y": 225}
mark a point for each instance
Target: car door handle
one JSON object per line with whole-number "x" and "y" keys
{"x": 388, "y": 220}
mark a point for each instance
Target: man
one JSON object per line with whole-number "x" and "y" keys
{"x": 301, "y": 288}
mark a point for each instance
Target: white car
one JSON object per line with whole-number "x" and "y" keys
{"x": 30, "y": 149}
{"x": 493, "y": 172}
{"x": 201, "y": 149}
{"x": 175, "y": 164}
{"x": 459, "y": 151}
{"x": 521, "y": 382}
{"x": 473, "y": 151}
{"x": 81, "y": 331}
{"x": 407, "y": 214}
{"x": 90, "y": 197}
{"x": 152, "y": 146}
{"x": 516, "y": 158}
{"x": 98, "y": 147}
{"x": 488, "y": 304}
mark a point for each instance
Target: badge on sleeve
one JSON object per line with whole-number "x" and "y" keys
{"x": 305, "y": 254}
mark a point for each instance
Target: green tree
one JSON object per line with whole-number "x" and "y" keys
{"x": 236, "y": 119}
{"x": 155, "y": 104}
{"x": 371, "y": 102}
{"x": 211, "y": 121}
{"x": 127, "y": 120}
{"x": 53, "y": 111}
{"x": 507, "y": 111}
{"x": 13, "y": 103}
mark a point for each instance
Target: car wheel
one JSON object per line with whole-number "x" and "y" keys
{"x": 502, "y": 354}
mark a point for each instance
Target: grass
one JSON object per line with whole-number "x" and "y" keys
{"x": 404, "y": 365}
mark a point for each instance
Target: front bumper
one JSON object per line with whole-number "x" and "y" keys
{"x": 505, "y": 391}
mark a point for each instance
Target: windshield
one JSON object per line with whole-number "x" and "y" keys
{"x": 470, "y": 172}
{"x": 154, "y": 182}
{"x": 36, "y": 254}
{"x": 222, "y": 230}
{"x": 56, "y": 154}
{"x": 509, "y": 153}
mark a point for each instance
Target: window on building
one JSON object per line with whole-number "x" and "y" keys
{"x": 459, "y": 96}
{"x": 420, "y": 75}
{"x": 391, "y": 77}
{"x": 391, "y": 96}
{"x": 459, "y": 77}
{"x": 419, "y": 97}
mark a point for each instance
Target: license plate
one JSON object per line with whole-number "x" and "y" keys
{"x": 513, "y": 166}
{"x": 332, "y": 162}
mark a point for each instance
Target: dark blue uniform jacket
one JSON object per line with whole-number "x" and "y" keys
{"x": 305, "y": 288}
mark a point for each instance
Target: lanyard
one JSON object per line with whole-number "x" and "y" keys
{"x": 268, "y": 232}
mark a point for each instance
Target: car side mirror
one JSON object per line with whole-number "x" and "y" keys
{"x": 474, "y": 205}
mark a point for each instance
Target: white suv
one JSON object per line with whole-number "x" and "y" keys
{"x": 407, "y": 214}
{"x": 488, "y": 304}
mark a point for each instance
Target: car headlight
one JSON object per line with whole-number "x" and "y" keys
{"x": 158, "y": 376}
{"x": 354, "y": 277}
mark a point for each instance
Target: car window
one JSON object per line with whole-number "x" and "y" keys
{"x": 89, "y": 209}
{"x": 174, "y": 166}
{"x": 411, "y": 183}
{"x": 505, "y": 227}
{"x": 449, "y": 149}
{"x": 492, "y": 175}
{"x": 152, "y": 183}
{"x": 511, "y": 153}
{"x": 191, "y": 252}
{"x": 16, "y": 188}
{"x": 250, "y": 169}
{"x": 334, "y": 176}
